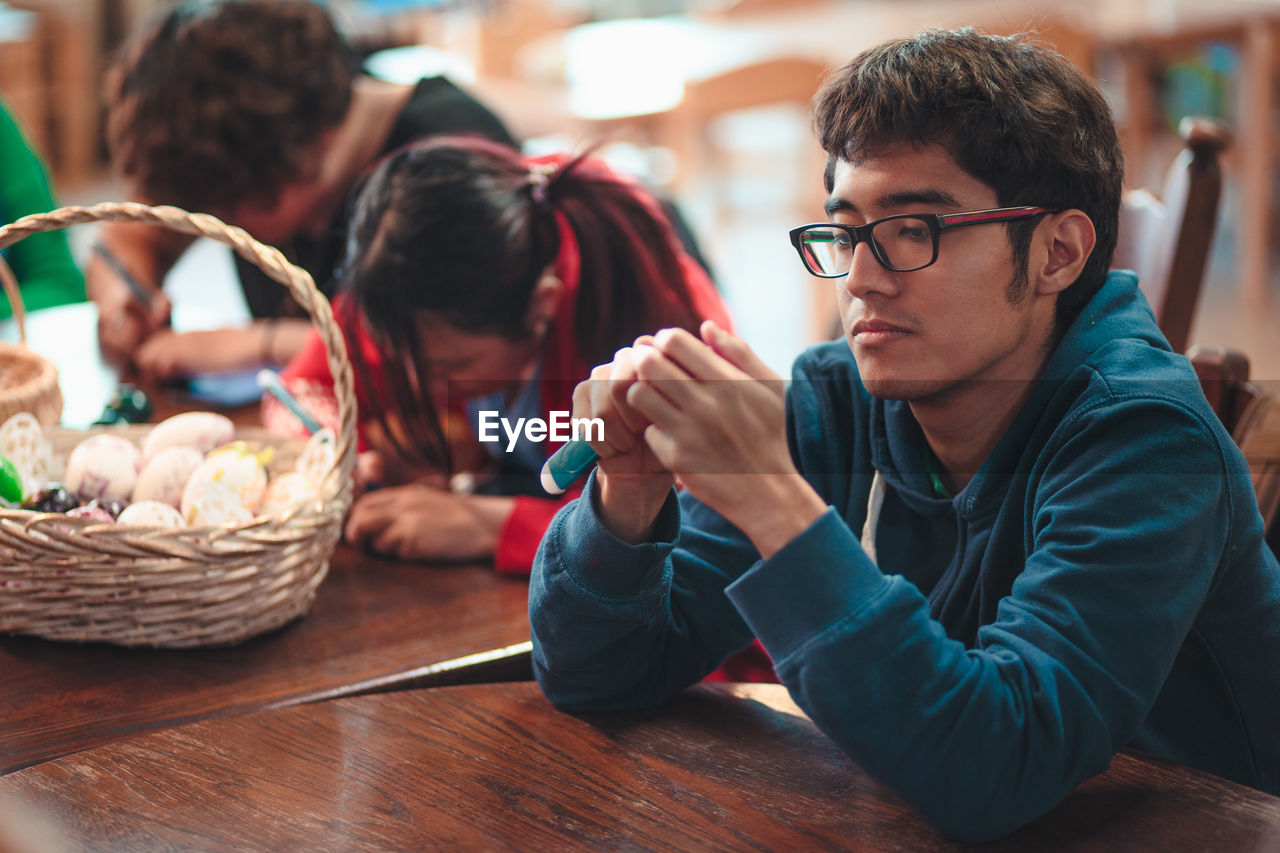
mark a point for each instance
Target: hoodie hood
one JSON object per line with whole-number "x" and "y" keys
{"x": 1117, "y": 316}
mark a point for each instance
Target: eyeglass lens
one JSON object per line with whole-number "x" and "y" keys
{"x": 901, "y": 243}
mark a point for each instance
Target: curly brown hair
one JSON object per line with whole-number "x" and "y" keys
{"x": 219, "y": 103}
{"x": 1016, "y": 116}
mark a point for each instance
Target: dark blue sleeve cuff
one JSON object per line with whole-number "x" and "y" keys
{"x": 602, "y": 564}
{"x": 818, "y": 579}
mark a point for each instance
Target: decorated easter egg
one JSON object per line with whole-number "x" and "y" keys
{"x": 202, "y": 430}
{"x": 92, "y": 511}
{"x": 286, "y": 492}
{"x": 23, "y": 442}
{"x": 55, "y": 498}
{"x": 165, "y": 475}
{"x": 318, "y": 457}
{"x": 207, "y": 503}
{"x": 242, "y": 471}
{"x": 150, "y": 514}
{"x": 103, "y": 466}
{"x": 10, "y": 483}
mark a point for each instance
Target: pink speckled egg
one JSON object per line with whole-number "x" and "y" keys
{"x": 285, "y": 492}
{"x": 202, "y": 430}
{"x": 150, "y": 514}
{"x": 91, "y": 511}
{"x": 165, "y": 475}
{"x": 103, "y": 466}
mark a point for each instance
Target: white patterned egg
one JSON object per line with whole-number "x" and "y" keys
{"x": 202, "y": 430}
{"x": 238, "y": 469}
{"x": 151, "y": 514}
{"x": 103, "y": 466}
{"x": 285, "y": 492}
{"x": 22, "y": 441}
{"x": 206, "y": 503}
{"x": 165, "y": 475}
{"x": 318, "y": 457}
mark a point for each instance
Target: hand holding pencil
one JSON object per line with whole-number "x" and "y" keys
{"x": 128, "y": 310}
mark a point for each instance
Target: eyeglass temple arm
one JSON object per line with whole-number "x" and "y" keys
{"x": 999, "y": 214}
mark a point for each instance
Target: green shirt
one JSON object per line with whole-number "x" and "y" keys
{"x": 42, "y": 262}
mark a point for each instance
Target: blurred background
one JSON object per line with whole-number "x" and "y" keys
{"x": 709, "y": 100}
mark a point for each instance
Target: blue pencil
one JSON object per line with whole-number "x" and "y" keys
{"x": 270, "y": 382}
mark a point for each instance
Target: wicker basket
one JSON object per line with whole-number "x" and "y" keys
{"x": 28, "y": 382}
{"x": 67, "y": 578}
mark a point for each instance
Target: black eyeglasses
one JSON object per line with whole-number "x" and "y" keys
{"x": 902, "y": 243}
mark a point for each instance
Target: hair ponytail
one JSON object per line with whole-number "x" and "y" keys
{"x": 631, "y": 279}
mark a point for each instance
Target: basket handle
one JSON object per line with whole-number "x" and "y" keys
{"x": 298, "y": 282}
{"x": 15, "y": 300}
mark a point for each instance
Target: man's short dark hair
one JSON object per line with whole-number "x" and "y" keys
{"x": 222, "y": 102}
{"x": 1016, "y": 116}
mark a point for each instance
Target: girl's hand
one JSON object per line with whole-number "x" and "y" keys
{"x": 424, "y": 523}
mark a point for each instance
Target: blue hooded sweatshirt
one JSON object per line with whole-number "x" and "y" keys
{"x": 1101, "y": 582}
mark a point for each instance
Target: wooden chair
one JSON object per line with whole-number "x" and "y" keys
{"x": 1166, "y": 241}
{"x": 1253, "y": 418}
{"x": 1258, "y": 434}
{"x": 1224, "y": 378}
{"x": 1142, "y": 56}
{"x": 766, "y": 82}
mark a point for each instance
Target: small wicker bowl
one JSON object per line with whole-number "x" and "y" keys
{"x": 28, "y": 381}
{"x": 67, "y": 578}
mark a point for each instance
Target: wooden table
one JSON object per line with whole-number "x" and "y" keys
{"x": 496, "y": 767}
{"x": 375, "y": 625}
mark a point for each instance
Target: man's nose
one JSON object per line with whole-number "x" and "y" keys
{"x": 866, "y": 275}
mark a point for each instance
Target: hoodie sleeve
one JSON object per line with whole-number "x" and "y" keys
{"x": 622, "y": 626}
{"x": 618, "y": 625}
{"x": 1129, "y": 519}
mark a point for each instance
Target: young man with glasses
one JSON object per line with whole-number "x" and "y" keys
{"x": 998, "y": 534}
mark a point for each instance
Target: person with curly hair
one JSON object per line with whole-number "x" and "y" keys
{"x": 253, "y": 111}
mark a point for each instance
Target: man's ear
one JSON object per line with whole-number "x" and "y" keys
{"x": 1065, "y": 242}
{"x": 545, "y": 302}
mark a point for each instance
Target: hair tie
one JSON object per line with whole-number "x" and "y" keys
{"x": 539, "y": 179}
